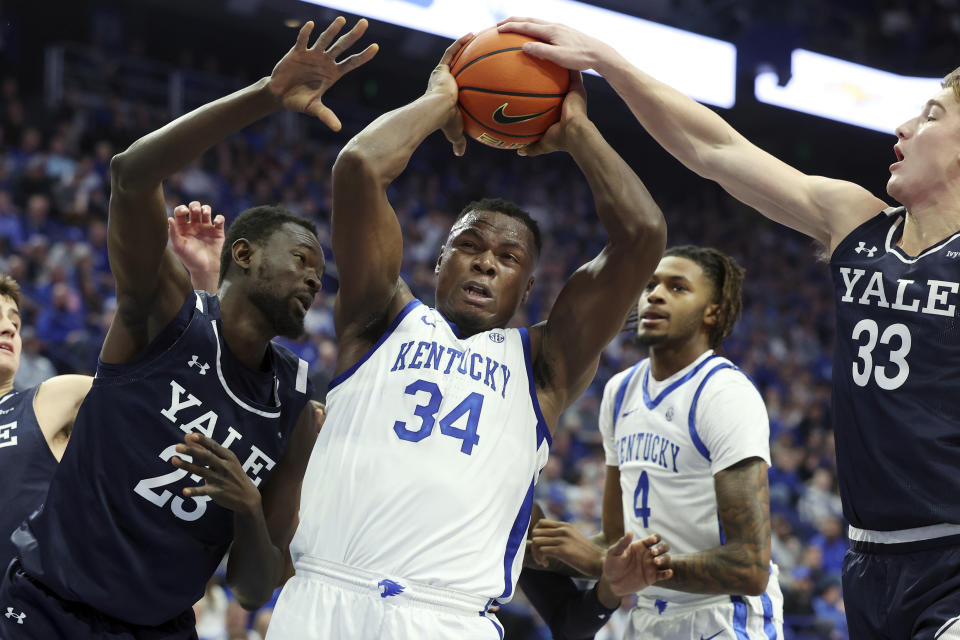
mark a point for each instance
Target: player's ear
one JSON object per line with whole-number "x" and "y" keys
{"x": 242, "y": 252}
{"x": 526, "y": 293}
{"x": 436, "y": 268}
{"x": 711, "y": 315}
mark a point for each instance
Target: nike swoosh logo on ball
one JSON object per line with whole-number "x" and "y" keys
{"x": 502, "y": 118}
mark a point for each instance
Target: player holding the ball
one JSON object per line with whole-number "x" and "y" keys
{"x": 418, "y": 494}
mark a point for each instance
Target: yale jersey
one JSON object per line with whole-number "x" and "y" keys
{"x": 26, "y": 465}
{"x": 669, "y": 438}
{"x": 425, "y": 466}
{"x": 896, "y": 404}
{"x": 116, "y": 531}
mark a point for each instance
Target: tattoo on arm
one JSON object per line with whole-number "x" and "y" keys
{"x": 741, "y": 566}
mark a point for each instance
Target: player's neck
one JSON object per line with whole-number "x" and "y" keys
{"x": 666, "y": 360}
{"x": 927, "y": 224}
{"x": 242, "y": 333}
{"x": 6, "y": 386}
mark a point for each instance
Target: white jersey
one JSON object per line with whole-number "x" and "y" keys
{"x": 424, "y": 469}
{"x": 669, "y": 438}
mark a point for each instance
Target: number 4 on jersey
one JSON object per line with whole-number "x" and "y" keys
{"x": 640, "y": 508}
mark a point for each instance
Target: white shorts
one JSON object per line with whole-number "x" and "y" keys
{"x": 330, "y": 601}
{"x": 721, "y": 618}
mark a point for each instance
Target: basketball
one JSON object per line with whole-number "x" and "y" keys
{"x": 508, "y": 98}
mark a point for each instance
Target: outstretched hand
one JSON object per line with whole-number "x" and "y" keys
{"x": 305, "y": 73}
{"x": 560, "y": 44}
{"x": 564, "y": 542}
{"x": 225, "y": 481}
{"x": 196, "y": 237}
{"x": 632, "y": 566}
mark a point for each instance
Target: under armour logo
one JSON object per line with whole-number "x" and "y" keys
{"x": 19, "y": 617}
{"x": 863, "y": 247}
{"x": 201, "y": 366}
{"x": 428, "y": 322}
{"x": 389, "y": 588}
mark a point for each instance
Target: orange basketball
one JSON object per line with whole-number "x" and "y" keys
{"x": 508, "y": 99}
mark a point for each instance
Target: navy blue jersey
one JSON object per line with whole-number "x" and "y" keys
{"x": 116, "y": 532}
{"x": 896, "y": 379}
{"x": 26, "y": 465}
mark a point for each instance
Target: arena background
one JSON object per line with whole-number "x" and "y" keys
{"x": 83, "y": 79}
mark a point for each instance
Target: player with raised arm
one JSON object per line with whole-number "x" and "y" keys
{"x": 895, "y": 406}
{"x": 419, "y": 490}
{"x": 37, "y": 422}
{"x": 138, "y": 514}
{"x": 686, "y": 437}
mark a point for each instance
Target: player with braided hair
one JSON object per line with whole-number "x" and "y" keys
{"x": 686, "y": 436}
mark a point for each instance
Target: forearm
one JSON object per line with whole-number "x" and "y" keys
{"x": 384, "y": 147}
{"x": 625, "y": 207}
{"x": 205, "y": 281}
{"x": 688, "y": 130}
{"x": 734, "y": 568}
{"x": 256, "y": 565}
{"x": 157, "y": 155}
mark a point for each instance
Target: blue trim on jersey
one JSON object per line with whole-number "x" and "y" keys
{"x": 691, "y": 421}
{"x": 452, "y": 325}
{"x": 739, "y": 617}
{"x": 652, "y": 403}
{"x": 768, "y": 627}
{"x": 410, "y": 306}
{"x": 621, "y": 394}
{"x": 495, "y": 625}
{"x": 518, "y": 535}
{"x": 723, "y": 537}
{"x": 543, "y": 432}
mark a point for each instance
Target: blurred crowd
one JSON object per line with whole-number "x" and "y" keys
{"x": 54, "y": 192}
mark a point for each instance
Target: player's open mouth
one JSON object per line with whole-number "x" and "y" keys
{"x": 6, "y": 346}
{"x": 477, "y": 291}
{"x": 651, "y": 317}
{"x": 898, "y": 153}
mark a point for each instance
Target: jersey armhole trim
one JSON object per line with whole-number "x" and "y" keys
{"x": 621, "y": 394}
{"x": 410, "y": 306}
{"x": 543, "y": 433}
{"x": 886, "y": 215}
{"x": 692, "y": 419}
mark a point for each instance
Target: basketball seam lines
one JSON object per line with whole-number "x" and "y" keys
{"x": 486, "y": 55}
{"x": 515, "y": 93}
{"x": 503, "y": 133}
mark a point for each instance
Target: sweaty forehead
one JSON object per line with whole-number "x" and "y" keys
{"x": 292, "y": 234}
{"x": 495, "y": 225}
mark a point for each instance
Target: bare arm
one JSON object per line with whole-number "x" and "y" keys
{"x": 822, "y": 208}
{"x": 151, "y": 283}
{"x": 612, "y": 516}
{"x": 742, "y": 565}
{"x": 56, "y": 404}
{"x": 594, "y": 302}
{"x": 367, "y": 240}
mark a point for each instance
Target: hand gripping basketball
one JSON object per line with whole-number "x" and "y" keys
{"x": 441, "y": 82}
{"x": 304, "y": 74}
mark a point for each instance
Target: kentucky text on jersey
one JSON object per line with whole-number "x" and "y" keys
{"x": 935, "y": 296}
{"x": 432, "y": 355}
{"x": 648, "y": 447}
{"x": 205, "y": 422}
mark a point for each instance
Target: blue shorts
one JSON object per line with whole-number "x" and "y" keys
{"x": 31, "y": 611}
{"x": 901, "y": 591}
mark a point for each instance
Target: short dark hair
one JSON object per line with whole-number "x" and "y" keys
{"x": 257, "y": 225}
{"x": 507, "y": 208}
{"x": 10, "y": 288}
{"x": 726, "y": 276}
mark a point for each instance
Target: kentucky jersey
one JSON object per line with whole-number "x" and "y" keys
{"x": 26, "y": 465}
{"x": 116, "y": 531}
{"x": 896, "y": 406}
{"x": 426, "y": 463}
{"x": 669, "y": 438}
